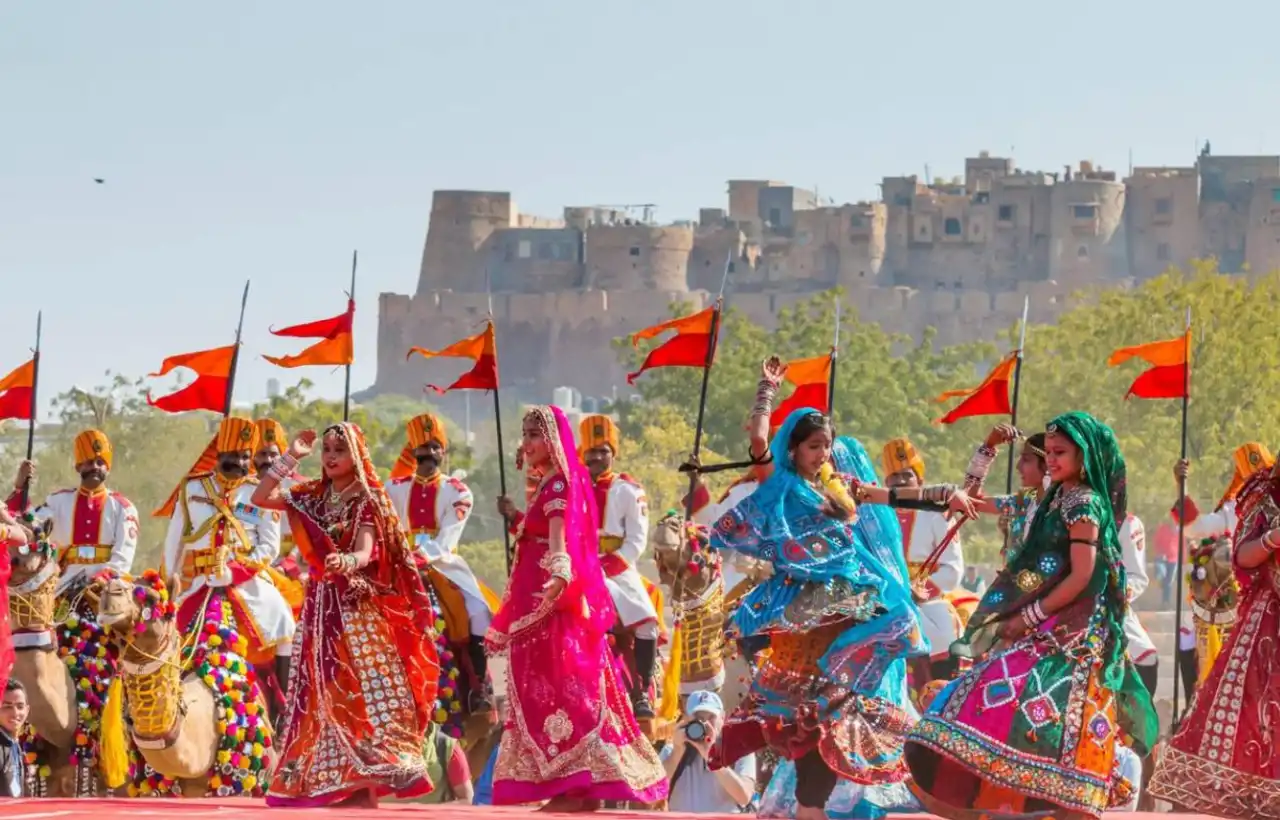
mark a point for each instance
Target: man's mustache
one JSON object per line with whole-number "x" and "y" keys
{"x": 100, "y": 475}
{"x": 427, "y": 458}
{"x": 233, "y": 468}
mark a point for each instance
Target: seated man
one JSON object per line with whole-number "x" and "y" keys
{"x": 694, "y": 786}
{"x": 433, "y": 512}
{"x": 218, "y": 540}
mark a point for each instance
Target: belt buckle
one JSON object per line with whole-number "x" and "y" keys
{"x": 86, "y": 553}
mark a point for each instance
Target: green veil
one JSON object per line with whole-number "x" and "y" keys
{"x": 1103, "y": 471}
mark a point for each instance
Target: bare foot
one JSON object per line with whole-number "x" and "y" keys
{"x": 562, "y": 805}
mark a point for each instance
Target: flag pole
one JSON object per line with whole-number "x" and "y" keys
{"x": 1182, "y": 516}
{"x": 235, "y": 354}
{"x": 502, "y": 453}
{"x": 831, "y": 377}
{"x": 35, "y": 408}
{"x": 346, "y": 393}
{"x": 702, "y": 397}
{"x": 1017, "y": 384}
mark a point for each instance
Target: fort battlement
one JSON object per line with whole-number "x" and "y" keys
{"x": 959, "y": 255}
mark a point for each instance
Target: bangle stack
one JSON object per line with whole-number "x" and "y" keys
{"x": 766, "y": 391}
{"x": 559, "y": 566}
{"x": 350, "y": 563}
{"x": 283, "y": 467}
{"x": 1034, "y": 615}
{"x": 1269, "y": 542}
{"x": 980, "y": 465}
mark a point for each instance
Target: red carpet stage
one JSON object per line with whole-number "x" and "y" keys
{"x": 230, "y": 809}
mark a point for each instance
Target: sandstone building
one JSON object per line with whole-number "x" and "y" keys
{"x": 958, "y": 255}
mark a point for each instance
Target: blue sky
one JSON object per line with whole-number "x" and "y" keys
{"x": 267, "y": 140}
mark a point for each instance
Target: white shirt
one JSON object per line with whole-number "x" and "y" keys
{"x": 433, "y": 513}
{"x": 260, "y": 527}
{"x": 626, "y": 516}
{"x": 116, "y": 526}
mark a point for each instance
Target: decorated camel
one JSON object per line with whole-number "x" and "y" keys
{"x": 693, "y": 572}
{"x": 196, "y": 714}
{"x": 66, "y": 666}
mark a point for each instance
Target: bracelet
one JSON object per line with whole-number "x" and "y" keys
{"x": 980, "y": 464}
{"x": 1269, "y": 542}
{"x": 283, "y": 467}
{"x": 559, "y": 566}
{"x": 766, "y": 391}
{"x": 350, "y": 563}
{"x": 938, "y": 493}
{"x": 4, "y": 533}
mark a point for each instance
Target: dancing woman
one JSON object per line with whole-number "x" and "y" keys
{"x": 570, "y": 735}
{"x": 365, "y": 668}
{"x": 1225, "y": 759}
{"x": 1033, "y": 727}
{"x": 838, "y": 611}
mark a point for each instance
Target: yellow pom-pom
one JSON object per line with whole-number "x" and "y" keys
{"x": 45, "y": 771}
{"x": 215, "y": 640}
{"x": 224, "y": 757}
{"x": 440, "y": 716}
{"x": 249, "y": 782}
{"x": 215, "y": 781}
{"x": 257, "y": 750}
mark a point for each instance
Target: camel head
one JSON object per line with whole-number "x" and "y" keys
{"x": 135, "y": 611}
{"x": 35, "y": 556}
{"x": 1212, "y": 578}
{"x": 683, "y": 551}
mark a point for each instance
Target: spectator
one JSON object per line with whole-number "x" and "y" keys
{"x": 448, "y": 767}
{"x": 1166, "y": 560}
{"x": 13, "y": 718}
{"x": 972, "y": 581}
{"x": 694, "y": 786}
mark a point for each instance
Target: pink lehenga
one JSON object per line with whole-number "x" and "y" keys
{"x": 570, "y": 731}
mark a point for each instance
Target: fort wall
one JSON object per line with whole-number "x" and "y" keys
{"x": 959, "y": 255}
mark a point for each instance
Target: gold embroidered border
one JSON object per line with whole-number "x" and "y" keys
{"x": 1200, "y": 785}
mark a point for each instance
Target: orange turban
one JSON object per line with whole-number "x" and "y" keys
{"x": 1249, "y": 459}
{"x": 92, "y": 444}
{"x": 420, "y": 431}
{"x": 270, "y": 432}
{"x": 900, "y": 454}
{"x": 234, "y": 435}
{"x": 597, "y": 431}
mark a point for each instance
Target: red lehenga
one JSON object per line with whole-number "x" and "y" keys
{"x": 1225, "y": 759}
{"x": 570, "y": 731}
{"x": 365, "y": 668}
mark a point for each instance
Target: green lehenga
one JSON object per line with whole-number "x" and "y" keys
{"x": 1033, "y": 727}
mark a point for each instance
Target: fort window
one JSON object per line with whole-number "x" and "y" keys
{"x": 1082, "y": 252}
{"x": 1162, "y": 252}
{"x": 635, "y": 250}
{"x": 1084, "y": 211}
{"x": 1005, "y": 213}
{"x": 951, "y": 226}
{"x": 855, "y": 221}
{"x": 775, "y": 217}
{"x": 524, "y": 249}
{"x": 1164, "y": 206}
{"x": 902, "y": 200}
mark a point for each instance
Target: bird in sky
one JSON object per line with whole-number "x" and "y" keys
{"x": 99, "y": 180}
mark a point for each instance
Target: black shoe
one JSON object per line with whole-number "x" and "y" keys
{"x": 641, "y": 706}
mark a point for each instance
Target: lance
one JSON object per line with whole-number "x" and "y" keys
{"x": 35, "y": 408}
{"x": 235, "y": 354}
{"x": 346, "y": 392}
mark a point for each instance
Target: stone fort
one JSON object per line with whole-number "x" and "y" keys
{"x": 958, "y": 254}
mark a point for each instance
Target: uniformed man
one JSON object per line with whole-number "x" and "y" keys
{"x": 624, "y": 533}
{"x": 922, "y": 532}
{"x": 1247, "y": 460}
{"x": 434, "y": 510}
{"x": 218, "y": 539}
{"x": 95, "y": 528}
{"x": 1142, "y": 651}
